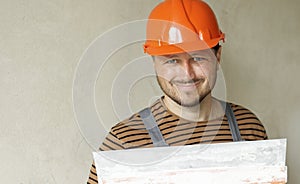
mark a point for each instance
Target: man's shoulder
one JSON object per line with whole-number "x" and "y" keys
{"x": 135, "y": 121}
{"x": 249, "y": 124}
{"x": 242, "y": 111}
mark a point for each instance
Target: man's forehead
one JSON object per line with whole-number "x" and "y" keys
{"x": 191, "y": 53}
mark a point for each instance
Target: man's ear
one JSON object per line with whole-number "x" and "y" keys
{"x": 218, "y": 54}
{"x": 153, "y": 58}
{"x": 153, "y": 61}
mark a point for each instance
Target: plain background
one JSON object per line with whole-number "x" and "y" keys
{"x": 41, "y": 43}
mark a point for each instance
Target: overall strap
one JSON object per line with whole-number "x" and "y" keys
{"x": 152, "y": 127}
{"x": 233, "y": 125}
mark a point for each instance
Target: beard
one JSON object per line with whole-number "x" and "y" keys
{"x": 190, "y": 98}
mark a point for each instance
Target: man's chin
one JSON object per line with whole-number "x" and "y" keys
{"x": 187, "y": 102}
{"x": 190, "y": 104}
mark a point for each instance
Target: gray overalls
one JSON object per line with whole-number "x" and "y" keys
{"x": 158, "y": 139}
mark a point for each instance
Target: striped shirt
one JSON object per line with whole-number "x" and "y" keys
{"x": 131, "y": 133}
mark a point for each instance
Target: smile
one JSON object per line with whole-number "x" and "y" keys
{"x": 187, "y": 85}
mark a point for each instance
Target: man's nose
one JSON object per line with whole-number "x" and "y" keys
{"x": 189, "y": 70}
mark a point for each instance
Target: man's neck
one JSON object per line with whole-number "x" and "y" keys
{"x": 209, "y": 108}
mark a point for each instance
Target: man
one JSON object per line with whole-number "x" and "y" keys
{"x": 183, "y": 39}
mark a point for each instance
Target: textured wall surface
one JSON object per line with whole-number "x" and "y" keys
{"x": 261, "y": 65}
{"x": 41, "y": 43}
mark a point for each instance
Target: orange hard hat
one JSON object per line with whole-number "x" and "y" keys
{"x": 176, "y": 26}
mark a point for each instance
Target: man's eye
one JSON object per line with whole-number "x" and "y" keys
{"x": 172, "y": 61}
{"x": 199, "y": 59}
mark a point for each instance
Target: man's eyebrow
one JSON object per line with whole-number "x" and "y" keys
{"x": 170, "y": 56}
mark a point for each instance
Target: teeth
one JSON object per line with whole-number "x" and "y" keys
{"x": 186, "y": 83}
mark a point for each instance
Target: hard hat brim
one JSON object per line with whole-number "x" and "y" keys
{"x": 181, "y": 47}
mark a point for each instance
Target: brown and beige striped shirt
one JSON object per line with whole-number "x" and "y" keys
{"x": 131, "y": 133}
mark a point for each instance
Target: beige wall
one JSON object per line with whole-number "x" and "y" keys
{"x": 41, "y": 43}
{"x": 261, "y": 65}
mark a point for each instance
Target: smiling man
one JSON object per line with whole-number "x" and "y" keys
{"x": 187, "y": 80}
{"x": 183, "y": 39}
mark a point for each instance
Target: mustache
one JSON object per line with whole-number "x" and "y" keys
{"x": 189, "y": 81}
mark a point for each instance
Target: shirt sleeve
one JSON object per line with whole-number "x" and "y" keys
{"x": 111, "y": 142}
{"x": 250, "y": 126}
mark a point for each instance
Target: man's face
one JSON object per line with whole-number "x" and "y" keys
{"x": 187, "y": 78}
